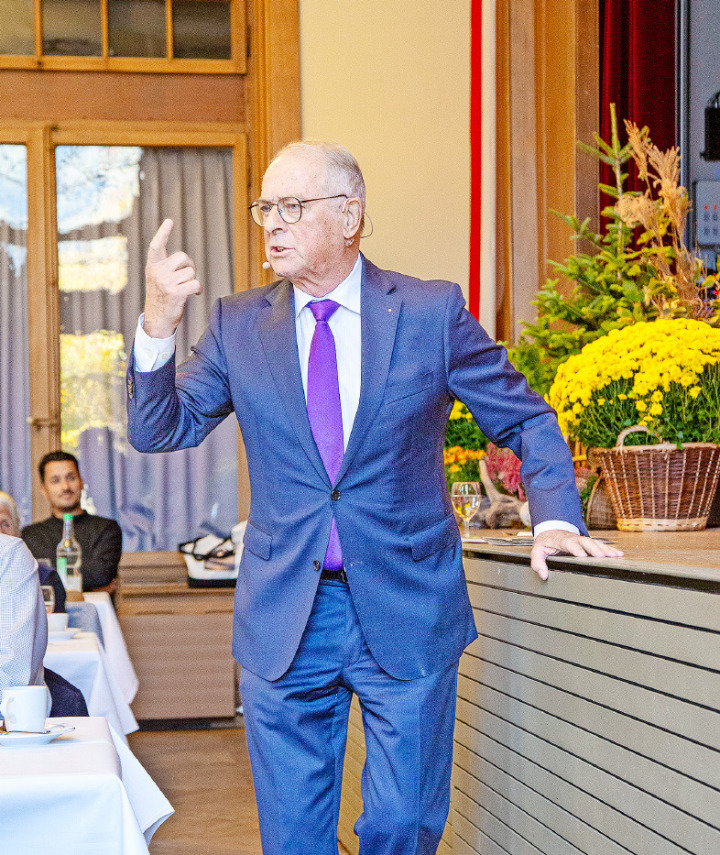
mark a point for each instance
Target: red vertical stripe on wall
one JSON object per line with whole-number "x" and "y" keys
{"x": 475, "y": 154}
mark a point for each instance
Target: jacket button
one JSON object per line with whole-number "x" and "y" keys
{"x": 317, "y": 565}
{"x": 335, "y": 495}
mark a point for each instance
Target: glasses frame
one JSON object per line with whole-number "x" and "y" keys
{"x": 260, "y": 220}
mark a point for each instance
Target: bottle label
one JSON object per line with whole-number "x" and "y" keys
{"x": 62, "y": 569}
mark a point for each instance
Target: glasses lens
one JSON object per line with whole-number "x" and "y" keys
{"x": 290, "y": 209}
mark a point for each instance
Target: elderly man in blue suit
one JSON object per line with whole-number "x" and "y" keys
{"x": 341, "y": 377}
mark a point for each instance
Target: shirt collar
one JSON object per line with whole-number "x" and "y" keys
{"x": 346, "y": 294}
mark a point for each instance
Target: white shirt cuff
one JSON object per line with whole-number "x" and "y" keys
{"x": 556, "y": 524}
{"x": 151, "y": 353}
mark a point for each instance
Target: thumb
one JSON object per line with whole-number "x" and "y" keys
{"x": 157, "y": 251}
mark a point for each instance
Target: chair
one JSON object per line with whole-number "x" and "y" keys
{"x": 67, "y": 700}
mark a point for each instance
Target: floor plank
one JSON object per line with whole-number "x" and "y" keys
{"x": 205, "y": 774}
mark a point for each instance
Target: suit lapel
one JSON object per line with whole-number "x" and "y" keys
{"x": 379, "y": 313}
{"x": 279, "y": 341}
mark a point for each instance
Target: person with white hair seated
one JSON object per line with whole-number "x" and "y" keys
{"x": 24, "y": 630}
{"x": 23, "y": 625}
{"x": 10, "y": 524}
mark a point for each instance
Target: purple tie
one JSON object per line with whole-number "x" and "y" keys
{"x": 324, "y": 411}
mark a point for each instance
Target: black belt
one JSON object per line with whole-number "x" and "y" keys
{"x": 334, "y": 575}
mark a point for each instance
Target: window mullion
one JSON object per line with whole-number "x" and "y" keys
{"x": 43, "y": 305}
{"x": 105, "y": 29}
{"x": 169, "y": 49}
{"x": 38, "y": 13}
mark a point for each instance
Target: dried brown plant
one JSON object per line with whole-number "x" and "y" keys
{"x": 661, "y": 211}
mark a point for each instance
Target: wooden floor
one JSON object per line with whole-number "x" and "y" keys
{"x": 205, "y": 774}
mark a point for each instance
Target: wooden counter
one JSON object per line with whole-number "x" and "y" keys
{"x": 588, "y": 717}
{"x": 179, "y": 639}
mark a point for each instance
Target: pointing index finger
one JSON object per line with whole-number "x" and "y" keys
{"x": 157, "y": 250}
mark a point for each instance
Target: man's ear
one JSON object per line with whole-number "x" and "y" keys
{"x": 44, "y": 491}
{"x": 353, "y": 217}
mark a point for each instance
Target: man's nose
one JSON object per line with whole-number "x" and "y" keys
{"x": 273, "y": 221}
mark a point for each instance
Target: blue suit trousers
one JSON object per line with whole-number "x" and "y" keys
{"x": 296, "y": 731}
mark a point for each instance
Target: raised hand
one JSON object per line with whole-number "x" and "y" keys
{"x": 169, "y": 281}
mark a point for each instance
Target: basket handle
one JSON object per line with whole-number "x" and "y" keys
{"x": 634, "y": 429}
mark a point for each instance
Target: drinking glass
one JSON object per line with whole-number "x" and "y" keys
{"x": 48, "y": 593}
{"x": 466, "y": 496}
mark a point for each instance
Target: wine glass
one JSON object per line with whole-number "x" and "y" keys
{"x": 48, "y": 593}
{"x": 466, "y": 496}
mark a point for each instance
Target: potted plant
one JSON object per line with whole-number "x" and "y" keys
{"x": 655, "y": 383}
{"x": 638, "y": 268}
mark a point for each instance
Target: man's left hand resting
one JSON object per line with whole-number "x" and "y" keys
{"x": 555, "y": 541}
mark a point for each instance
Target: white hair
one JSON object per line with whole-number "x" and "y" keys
{"x": 7, "y": 501}
{"x": 343, "y": 171}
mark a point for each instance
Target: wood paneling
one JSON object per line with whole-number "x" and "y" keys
{"x": 548, "y": 91}
{"x": 588, "y": 715}
{"x": 179, "y": 640}
{"x": 122, "y": 97}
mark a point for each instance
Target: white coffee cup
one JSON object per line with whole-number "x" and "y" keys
{"x": 25, "y": 708}
{"x": 57, "y": 622}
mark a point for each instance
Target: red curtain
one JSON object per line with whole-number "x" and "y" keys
{"x": 637, "y": 71}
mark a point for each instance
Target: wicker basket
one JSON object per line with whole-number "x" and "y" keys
{"x": 661, "y": 487}
{"x": 600, "y": 513}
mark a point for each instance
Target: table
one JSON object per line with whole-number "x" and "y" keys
{"x": 83, "y": 794}
{"x": 114, "y": 644}
{"x": 82, "y": 661}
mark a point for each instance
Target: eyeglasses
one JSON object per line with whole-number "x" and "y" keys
{"x": 289, "y": 208}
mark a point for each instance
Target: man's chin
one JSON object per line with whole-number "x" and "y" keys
{"x": 67, "y": 508}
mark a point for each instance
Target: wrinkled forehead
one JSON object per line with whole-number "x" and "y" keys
{"x": 303, "y": 175}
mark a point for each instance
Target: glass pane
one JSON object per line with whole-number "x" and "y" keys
{"x": 201, "y": 29}
{"x": 110, "y": 202}
{"x": 15, "y": 472}
{"x": 16, "y": 32}
{"x": 137, "y": 28}
{"x": 72, "y": 28}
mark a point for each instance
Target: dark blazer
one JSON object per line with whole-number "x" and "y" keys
{"x": 100, "y": 539}
{"x": 401, "y": 547}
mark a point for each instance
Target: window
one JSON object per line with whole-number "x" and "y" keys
{"x": 205, "y": 36}
{"x": 109, "y": 200}
{"x": 15, "y": 468}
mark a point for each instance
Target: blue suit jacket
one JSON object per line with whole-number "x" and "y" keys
{"x": 420, "y": 350}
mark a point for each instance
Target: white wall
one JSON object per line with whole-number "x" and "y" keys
{"x": 390, "y": 80}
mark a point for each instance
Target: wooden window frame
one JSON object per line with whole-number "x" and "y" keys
{"x": 144, "y": 65}
{"x": 271, "y": 100}
{"x": 40, "y": 140}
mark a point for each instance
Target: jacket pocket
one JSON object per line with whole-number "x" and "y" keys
{"x": 432, "y": 539}
{"x": 257, "y": 541}
{"x": 399, "y": 391}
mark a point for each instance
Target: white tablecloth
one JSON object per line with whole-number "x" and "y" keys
{"x": 85, "y": 793}
{"x": 114, "y": 643}
{"x": 83, "y": 662}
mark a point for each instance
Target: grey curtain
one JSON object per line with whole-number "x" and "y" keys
{"x": 15, "y": 474}
{"x": 162, "y": 500}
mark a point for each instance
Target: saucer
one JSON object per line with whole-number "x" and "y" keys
{"x": 20, "y": 739}
{"x": 63, "y": 634}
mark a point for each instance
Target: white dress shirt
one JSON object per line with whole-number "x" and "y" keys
{"x": 151, "y": 353}
{"x": 23, "y": 625}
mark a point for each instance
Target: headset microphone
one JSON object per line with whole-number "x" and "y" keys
{"x": 266, "y": 265}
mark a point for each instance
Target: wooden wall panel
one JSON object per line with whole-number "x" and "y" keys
{"x": 547, "y": 97}
{"x": 588, "y": 716}
{"x": 68, "y": 95}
